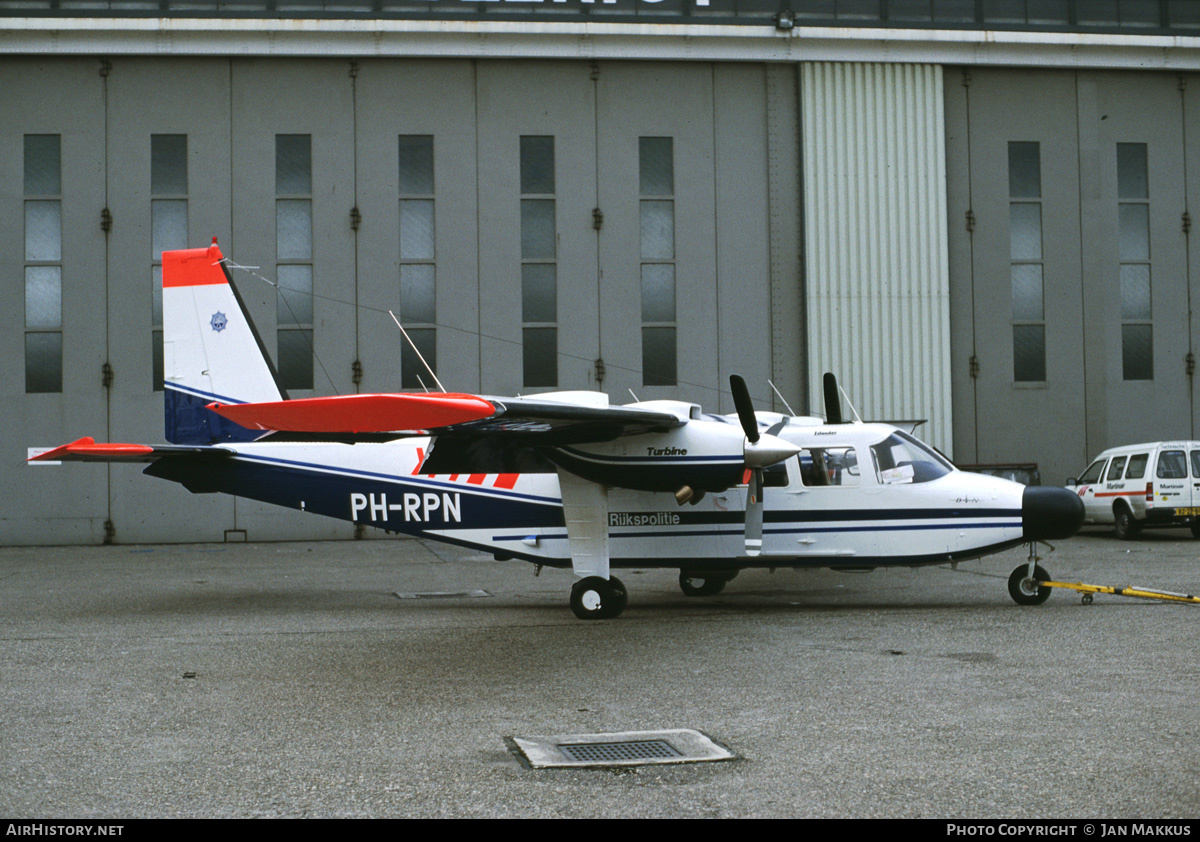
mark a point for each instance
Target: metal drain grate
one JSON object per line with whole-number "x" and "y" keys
{"x": 625, "y": 748}
{"x": 620, "y": 752}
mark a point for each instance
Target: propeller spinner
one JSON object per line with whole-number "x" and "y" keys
{"x": 759, "y": 451}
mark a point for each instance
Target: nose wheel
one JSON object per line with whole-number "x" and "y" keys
{"x": 596, "y": 598}
{"x": 1024, "y": 589}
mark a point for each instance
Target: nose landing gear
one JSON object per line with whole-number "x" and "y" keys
{"x": 1024, "y": 582}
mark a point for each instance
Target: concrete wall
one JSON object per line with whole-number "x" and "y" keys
{"x": 1117, "y": 153}
{"x": 735, "y": 242}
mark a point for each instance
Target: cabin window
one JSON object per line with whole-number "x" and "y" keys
{"x": 1115, "y": 467}
{"x": 1137, "y": 466}
{"x": 829, "y": 467}
{"x": 901, "y": 459}
{"x": 1172, "y": 465}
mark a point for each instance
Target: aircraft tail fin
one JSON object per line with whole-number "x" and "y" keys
{"x": 211, "y": 350}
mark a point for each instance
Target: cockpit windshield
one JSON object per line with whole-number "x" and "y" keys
{"x": 902, "y": 459}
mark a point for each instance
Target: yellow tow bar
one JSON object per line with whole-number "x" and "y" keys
{"x": 1140, "y": 593}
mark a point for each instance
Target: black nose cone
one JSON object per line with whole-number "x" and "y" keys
{"x": 1048, "y": 513}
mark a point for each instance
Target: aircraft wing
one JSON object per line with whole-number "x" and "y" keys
{"x": 549, "y": 422}
{"x": 86, "y": 450}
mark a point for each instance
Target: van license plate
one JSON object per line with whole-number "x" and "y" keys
{"x": 1187, "y": 511}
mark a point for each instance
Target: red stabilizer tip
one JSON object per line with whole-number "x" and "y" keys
{"x": 87, "y": 446}
{"x": 193, "y": 267}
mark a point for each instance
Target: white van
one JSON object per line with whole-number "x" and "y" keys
{"x": 1154, "y": 484}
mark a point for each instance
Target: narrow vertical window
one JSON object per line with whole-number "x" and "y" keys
{"x": 43, "y": 263}
{"x": 656, "y": 179}
{"x": 168, "y": 227}
{"x": 1133, "y": 230}
{"x": 539, "y": 267}
{"x": 418, "y": 254}
{"x": 1026, "y": 261}
{"x": 294, "y": 256}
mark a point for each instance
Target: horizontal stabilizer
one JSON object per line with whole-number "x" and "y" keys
{"x": 359, "y": 413}
{"x": 86, "y": 450}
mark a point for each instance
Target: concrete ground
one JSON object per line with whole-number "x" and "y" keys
{"x": 291, "y": 680}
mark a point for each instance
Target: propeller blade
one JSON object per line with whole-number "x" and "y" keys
{"x": 833, "y": 400}
{"x": 754, "y": 513}
{"x": 744, "y": 406}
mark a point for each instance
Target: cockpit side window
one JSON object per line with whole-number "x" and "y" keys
{"x": 901, "y": 459}
{"x": 775, "y": 476}
{"x": 829, "y": 467}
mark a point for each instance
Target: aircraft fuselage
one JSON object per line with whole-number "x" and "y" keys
{"x": 839, "y": 502}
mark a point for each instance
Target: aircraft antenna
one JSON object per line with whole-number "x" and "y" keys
{"x": 850, "y": 404}
{"x": 635, "y": 397}
{"x": 781, "y": 397}
{"x": 413, "y": 345}
{"x": 281, "y": 291}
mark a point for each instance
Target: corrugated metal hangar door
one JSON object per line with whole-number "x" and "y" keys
{"x": 1071, "y": 287}
{"x": 534, "y": 226}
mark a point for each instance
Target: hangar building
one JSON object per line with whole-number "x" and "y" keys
{"x": 976, "y": 212}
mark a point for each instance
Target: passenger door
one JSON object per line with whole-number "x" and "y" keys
{"x": 1172, "y": 486}
{"x": 1087, "y": 486}
{"x": 1135, "y": 480}
{"x": 1195, "y": 460}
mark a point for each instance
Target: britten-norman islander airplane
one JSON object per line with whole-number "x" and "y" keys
{"x": 566, "y": 479}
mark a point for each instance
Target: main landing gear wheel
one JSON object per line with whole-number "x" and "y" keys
{"x": 1024, "y": 590}
{"x": 596, "y": 598}
{"x": 695, "y": 584}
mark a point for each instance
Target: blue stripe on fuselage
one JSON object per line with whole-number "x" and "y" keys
{"x": 395, "y": 503}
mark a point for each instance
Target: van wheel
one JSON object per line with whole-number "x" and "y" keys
{"x": 1126, "y": 525}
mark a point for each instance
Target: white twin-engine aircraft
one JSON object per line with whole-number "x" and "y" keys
{"x": 565, "y": 479}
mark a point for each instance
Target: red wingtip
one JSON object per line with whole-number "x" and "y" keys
{"x": 359, "y": 413}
